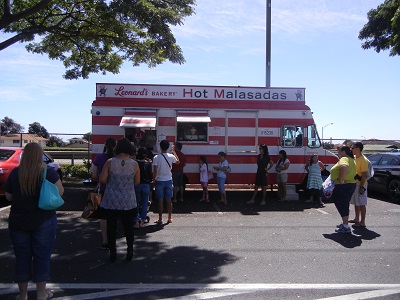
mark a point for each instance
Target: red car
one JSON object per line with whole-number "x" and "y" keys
{"x": 9, "y": 159}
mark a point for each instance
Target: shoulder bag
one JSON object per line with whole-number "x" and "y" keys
{"x": 328, "y": 186}
{"x": 92, "y": 204}
{"x": 166, "y": 160}
{"x": 50, "y": 198}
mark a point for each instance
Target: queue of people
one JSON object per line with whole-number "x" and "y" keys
{"x": 125, "y": 179}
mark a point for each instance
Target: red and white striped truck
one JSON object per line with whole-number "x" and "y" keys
{"x": 209, "y": 119}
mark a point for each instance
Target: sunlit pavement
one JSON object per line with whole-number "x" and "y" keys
{"x": 278, "y": 251}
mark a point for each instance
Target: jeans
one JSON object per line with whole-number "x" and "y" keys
{"x": 142, "y": 197}
{"x": 221, "y": 184}
{"x": 32, "y": 251}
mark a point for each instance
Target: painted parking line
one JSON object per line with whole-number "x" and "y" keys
{"x": 207, "y": 291}
{"x": 365, "y": 295}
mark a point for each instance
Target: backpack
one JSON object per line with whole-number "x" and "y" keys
{"x": 370, "y": 170}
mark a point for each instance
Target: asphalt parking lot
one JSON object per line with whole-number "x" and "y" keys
{"x": 283, "y": 250}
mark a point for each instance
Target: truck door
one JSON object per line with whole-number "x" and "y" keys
{"x": 241, "y": 132}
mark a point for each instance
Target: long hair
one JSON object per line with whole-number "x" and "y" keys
{"x": 283, "y": 158}
{"x": 109, "y": 146}
{"x": 31, "y": 168}
{"x": 265, "y": 152}
{"x": 204, "y": 160}
{"x": 311, "y": 159}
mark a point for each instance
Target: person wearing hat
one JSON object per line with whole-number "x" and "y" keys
{"x": 264, "y": 164}
{"x": 222, "y": 169}
{"x": 359, "y": 198}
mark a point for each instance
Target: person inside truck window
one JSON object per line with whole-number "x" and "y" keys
{"x": 138, "y": 136}
{"x": 192, "y": 135}
{"x": 192, "y": 131}
{"x": 299, "y": 136}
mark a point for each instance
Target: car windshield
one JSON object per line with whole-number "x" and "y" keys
{"x": 6, "y": 154}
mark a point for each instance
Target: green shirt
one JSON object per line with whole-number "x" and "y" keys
{"x": 351, "y": 172}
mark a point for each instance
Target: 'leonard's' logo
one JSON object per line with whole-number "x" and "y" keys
{"x": 102, "y": 90}
{"x": 299, "y": 95}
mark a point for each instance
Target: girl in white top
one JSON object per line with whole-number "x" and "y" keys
{"x": 204, "y": 178}
{"x": 281, "y": 174}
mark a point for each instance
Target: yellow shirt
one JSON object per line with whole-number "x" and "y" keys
{"x": 351, "y": 172}
{"x": 361, "y": 167}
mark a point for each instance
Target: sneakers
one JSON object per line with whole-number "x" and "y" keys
{"x": 343, "y": 229}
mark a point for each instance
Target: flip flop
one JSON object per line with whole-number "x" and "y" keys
{"x": 49, "y": 296}
{"x": 353, "y": 221}
{"x": 359, "y": 225}
{"x": 158, "y": 222}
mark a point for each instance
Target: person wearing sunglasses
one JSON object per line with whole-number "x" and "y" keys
{"x": 360, "y": 196}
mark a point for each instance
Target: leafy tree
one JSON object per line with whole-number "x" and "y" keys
{"x": 87, "y": 136}
{"x": 91, "y": 36}
{"x": 382, "y": 32}
{"x": 38, "y": 129}
{"x": 8, "y": 125}
{"x": 54, "y": 141}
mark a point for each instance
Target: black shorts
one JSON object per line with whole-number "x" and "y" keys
{"x": 177, "y": 179}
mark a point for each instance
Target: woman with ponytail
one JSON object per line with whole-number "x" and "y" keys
{"x": 343, "y": 174}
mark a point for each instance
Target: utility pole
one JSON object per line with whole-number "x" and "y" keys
{"x": 268, "y": 45}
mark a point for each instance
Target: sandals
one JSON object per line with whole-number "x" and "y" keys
{"x": 353, "y": 221}
{"x": 359, "y": 225}
{"x": 159, "y": 222}
{"x": 48, "y": 296}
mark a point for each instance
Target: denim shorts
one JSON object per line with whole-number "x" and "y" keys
{"x": 33, "y": 250}
{"x": 281, "y": 177}
{"x": 164, "y": 189}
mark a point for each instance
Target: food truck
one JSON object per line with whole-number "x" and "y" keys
{"x": 210, "y": 119}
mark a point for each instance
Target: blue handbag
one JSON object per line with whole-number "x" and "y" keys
{"x": 50, "y": 198}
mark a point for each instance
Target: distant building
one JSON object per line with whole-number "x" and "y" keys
{"x": 77, "y": 143}
{"x": 373, "y": 146}
{"x": 21, "y": 139}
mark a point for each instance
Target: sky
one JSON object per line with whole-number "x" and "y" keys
{"x": 314, "y": 46}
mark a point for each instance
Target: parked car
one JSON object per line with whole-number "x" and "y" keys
{"x": 10, "y": 158}
{"x": 386, "y": 177}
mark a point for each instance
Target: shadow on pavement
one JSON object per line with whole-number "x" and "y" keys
{"x": 352, "y": 240}
{"x": 78, "y": 258}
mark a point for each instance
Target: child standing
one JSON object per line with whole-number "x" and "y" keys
{"x": 204, "y": 178}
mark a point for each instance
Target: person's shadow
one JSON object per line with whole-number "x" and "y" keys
{"x": 354, "y": 239}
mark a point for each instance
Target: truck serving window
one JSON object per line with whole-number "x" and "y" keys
{"x": 192, "y": 126}
{"x": 292, "y": 136}
{"x": 192, "y": 131}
